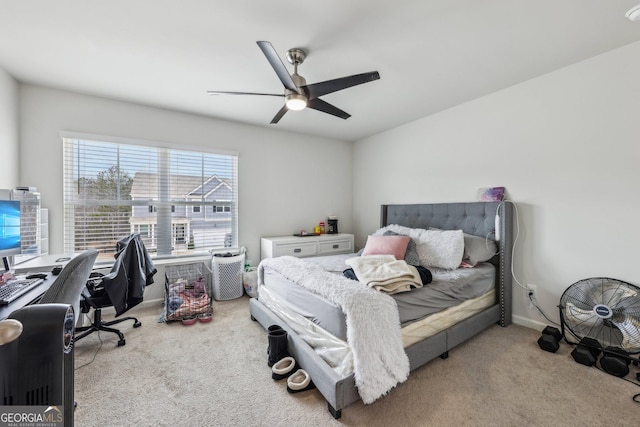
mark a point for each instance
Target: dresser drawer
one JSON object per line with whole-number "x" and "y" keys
{"x": 335, "y": 247}
{"x": 326, "y": 244}
{"x": 296, "y": 249}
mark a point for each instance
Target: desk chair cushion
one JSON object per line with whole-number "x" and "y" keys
{"x": 90, "y": 301}
{"x": 94, "y": 295}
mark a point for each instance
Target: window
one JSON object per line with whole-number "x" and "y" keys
{"x": 113, "y": 188}
{"x": 221, "y": 208}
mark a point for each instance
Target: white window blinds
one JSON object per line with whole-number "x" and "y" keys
{"x": 113, "y": 189}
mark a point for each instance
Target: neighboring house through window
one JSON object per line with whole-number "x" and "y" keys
{"x": 113, "y": 188}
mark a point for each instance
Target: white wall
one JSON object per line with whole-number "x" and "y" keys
{"x": 8, "y": 131}
{"x": 281, "y": 190}
{"x": 566, "y": 147}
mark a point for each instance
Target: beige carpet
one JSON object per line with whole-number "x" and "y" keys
{"x": 216, "y": 374}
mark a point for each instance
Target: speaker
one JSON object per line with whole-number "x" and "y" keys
{"x": 38, "y": 367}
{"x": 587, "y": 351}
{"x": 615, "y": 361}
{"x": 550, "y": 338}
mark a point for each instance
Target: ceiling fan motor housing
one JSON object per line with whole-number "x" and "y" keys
{"x": 296, "y": 56}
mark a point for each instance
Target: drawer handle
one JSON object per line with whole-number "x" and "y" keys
{"x": 336, "y": 246}
{"x": 297, "y": 250}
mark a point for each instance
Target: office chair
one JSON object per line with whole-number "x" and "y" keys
{"x": 122, "y": 288}
{"x": 68, "y": 285}
{"x": 38, "y": 366}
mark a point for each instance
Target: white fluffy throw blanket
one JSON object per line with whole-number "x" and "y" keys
{"x": 384, "y": 273}
{"x": 373, "y": 325}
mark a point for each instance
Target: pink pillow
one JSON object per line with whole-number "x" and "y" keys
{"x": 387, "y": 245}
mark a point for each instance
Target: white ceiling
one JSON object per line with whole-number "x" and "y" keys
{"x": 431, "y": 54}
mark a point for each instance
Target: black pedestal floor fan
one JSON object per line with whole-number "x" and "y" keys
{"x": 604, "y": 315}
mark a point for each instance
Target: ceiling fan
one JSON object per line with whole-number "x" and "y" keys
{"x": 297, "y": 93}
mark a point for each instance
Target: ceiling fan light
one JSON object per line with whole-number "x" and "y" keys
{"x": 633, "y": 14}
{"x": 296, "y": 102}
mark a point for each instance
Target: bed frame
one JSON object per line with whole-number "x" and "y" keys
{"x": 477, "y": 218}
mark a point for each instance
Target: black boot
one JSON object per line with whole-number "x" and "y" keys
{"x": 277, "y": 346}
{"x": 271, "y": 329}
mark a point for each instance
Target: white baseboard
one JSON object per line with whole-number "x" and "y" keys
{"x": 526, "y": 322}
{"x": 86, "y": 318}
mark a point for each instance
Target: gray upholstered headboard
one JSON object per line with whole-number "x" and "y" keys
{"x": 477, "y": 218}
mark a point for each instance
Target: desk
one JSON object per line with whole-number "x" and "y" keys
{"x": 43, "y": 263}
{"x": 29, "y": 298}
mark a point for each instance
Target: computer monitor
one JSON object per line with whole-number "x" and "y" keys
{"x": 9, "y": 229}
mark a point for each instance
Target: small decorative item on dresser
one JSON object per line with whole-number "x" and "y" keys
{"x": 322, "y": 230}
{"x": 332, "y": 225}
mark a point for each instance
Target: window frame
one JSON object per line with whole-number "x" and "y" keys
{"x": 231, "y": 182}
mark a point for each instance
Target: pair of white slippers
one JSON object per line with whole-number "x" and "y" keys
{"x": 297, "y": 379}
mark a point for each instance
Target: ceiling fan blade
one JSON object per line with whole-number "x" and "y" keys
{"x": 325, "y": 107}
{"x": 318, "y": 89}
{"x": 278, "y": 65}
{"x": 279, "y": 115}
{"x": 221, "y": 92}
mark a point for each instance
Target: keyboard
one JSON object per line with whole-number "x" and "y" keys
{"x": 15, "y": 288}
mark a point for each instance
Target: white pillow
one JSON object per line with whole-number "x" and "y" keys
{"x": 436, "y": 248}
{"x": 441, "y": 248}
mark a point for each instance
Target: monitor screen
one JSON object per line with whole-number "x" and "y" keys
{"x": 9, "y": 227}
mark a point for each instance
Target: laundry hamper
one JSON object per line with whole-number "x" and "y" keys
{"x": 227, "y": 276}
{"x": 187, "y": 292}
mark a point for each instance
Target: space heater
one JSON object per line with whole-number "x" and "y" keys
{"x": 37, "y": 368}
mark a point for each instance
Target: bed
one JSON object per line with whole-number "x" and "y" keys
{"x": 420, "y": 343}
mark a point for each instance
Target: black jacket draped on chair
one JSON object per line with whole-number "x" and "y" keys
{"x": 132, "y": 271}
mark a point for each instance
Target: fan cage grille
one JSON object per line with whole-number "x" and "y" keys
{"x": 617, "y": 321}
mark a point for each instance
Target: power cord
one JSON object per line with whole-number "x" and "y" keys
{"x": 513, "y": 248}
{"x": 94, "y": 354}
{"x": 535, "y": 304}
{"x": 515, "y": 239}
{"x": 635, "y": 397}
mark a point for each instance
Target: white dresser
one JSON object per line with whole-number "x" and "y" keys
{"x": 324, "y": 244}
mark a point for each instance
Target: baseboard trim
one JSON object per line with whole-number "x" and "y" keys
{"x": 110, "y": 311}
{"x": 526, "y": 322}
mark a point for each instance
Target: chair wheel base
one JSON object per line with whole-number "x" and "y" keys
{"x": 121, "y": 343}
{"x": 137, "y": 324}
